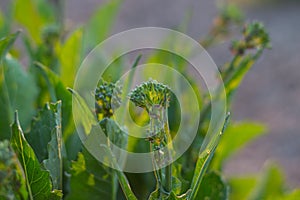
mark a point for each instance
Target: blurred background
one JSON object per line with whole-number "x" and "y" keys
{"x": 270, "y": 92}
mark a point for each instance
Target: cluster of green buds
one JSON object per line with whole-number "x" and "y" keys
{"x": 149, "y": 94}
{"x": 154, "y": 97}
{"x": 108, "y": 98}
{"x": 254, "y": 36}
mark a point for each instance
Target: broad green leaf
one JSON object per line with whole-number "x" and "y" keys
{"x": 235, "y": 137}
{"x": 42, "y": 127}
{"x": 38, "y": 181}
{"x": 58, "y": 92}
{"x": 90, "y": 179}
{"x": 241, "y": 187}
{"x": 98, "y": 27}
{"x": 12, "y": 180}
{"x": 269, "y": 186}
{"x": 17, "y": 89}
{"x": 213, "y": 187}
{"x": 54, "y": 162}
{"x": 21, "y": 88}
{"x": 70, "y": 57}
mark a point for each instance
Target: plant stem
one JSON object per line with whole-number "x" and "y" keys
{"x": 160, "y": 137}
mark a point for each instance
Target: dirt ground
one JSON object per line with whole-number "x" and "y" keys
{"x": 271, "y": 91}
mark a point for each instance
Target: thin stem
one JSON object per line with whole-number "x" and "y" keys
{"x": 160, "y": 137}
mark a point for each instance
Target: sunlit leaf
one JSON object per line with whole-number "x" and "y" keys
{"x": 69, "y": 56}
{"x": 204, "y": 159}
{"x": 38, "y": 181}
{"x": 269, "y": 186}
{"x": 241, "y": 187}
{"x": 90, "y": 179}
{"x": 33, "y": 15}
{"x": 235, "y": 137}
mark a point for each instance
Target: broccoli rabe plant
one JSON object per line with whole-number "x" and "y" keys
{"x": 155, "y": 97}
{"x": 41, "y": 154}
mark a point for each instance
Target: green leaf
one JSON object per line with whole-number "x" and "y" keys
{"x": 100, "y": 24}
{"x": 12, "y": 180}
{"x": 17, "y": 90}
{"x": 241, "y": 187}
{"x": 204, "y": 159}
{"x": 6, "y": 111}
{"x": 6, "y": 43}
{"x": 115, "y": 134}
{"x": 37, "y": 180}
{"x": 54, "y": 161}
{"x": 121, "y": 176}
{"x": 42, "y": 127}
{"x": 83, "y": 110}
{"x": 270, "y": 185}
{"x": 26, "y": 11}
{"x": 58, "y": 92}
{"x": 213, "y": 187}
{"x": 235, "y": 137}
{"x": 90, "y": 179}
{"x": 70, "y": 57}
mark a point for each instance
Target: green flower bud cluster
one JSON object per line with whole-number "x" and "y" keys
{"x": 149, "y": 94}
{"x": 108, "y": 98}
{"x": 254, "y": 37}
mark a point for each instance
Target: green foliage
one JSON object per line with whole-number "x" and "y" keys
{"x": 70, "y": 57}
{"x": 37, "y": 179}
{"x": 12, "y": 183}
{"x": 54, "y": 162}
{"x": 90, "y": 179}
{"x": 39, "y": 10}
{"x": 213, "y": 187}
{"x": 13, "y": 82}
{"x": 49, "y": 161}
{"x": 267, "y": 185}
{"x": 231, "y": 144}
